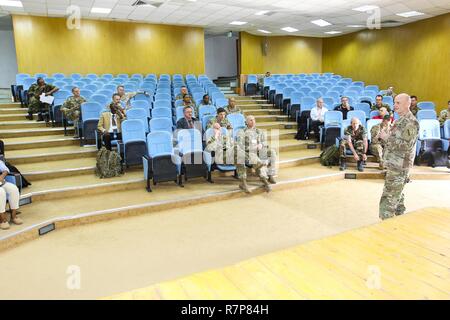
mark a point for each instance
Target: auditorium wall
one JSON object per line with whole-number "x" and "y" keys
{"x": 46, "y": 45}
{"x": 285, "y": 54}
{"x": 414, "y": 58}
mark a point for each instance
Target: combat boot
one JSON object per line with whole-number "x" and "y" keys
{"x": 40, "y": 117}
{"x": 29, "y": 116}
{"x": 343, "y": 165}
{"x": 243, "y": 186}
{"x": 272, "y": 180}
{"x": 266, "y": 184}
{"x": 360, "y": 166}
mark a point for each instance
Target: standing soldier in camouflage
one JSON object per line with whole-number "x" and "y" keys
{"x": 71, "y": 108}
{"x": 356, "y": 140}
{"x": 34, "y": 103}
{"x": 232, "y": 108}
{"x": 377, "y": 144}
{"x": 398, "y": 157}
{"x": 252, "y": 149}
{"x": 221, "y": 119}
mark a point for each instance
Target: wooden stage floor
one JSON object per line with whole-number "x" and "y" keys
{"x": 404, "y": 258}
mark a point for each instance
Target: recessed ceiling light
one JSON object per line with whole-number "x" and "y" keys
{"x": 100, "y": 10}
{"x": 321, "y": 23}
{"x": 366, "y": 8}
{"x": 264, "y": 31}
{"x": 238, "y": 23}
{"x": 289, "y": 29}
{"x": 355, "y": 26}
{"x": 8, "y": 3}
{"x": 333, "y": 32}
{"x": 261, "y": 13}
{"x": 410, "y": 14}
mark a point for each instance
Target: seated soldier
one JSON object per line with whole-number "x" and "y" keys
{"x": 414, "y": 107}
{"x": 110, "y": 122}
{"x": 380, "y": 104}
{"x": 390, "y": 92}
{"x": 344, "y": 107}
{"x": 252, "y": 149}
{"x": 232, "y": 108}
{"x": 34, "y": 102}
{"x": 444, "y": 115}
{"x": 382, "y": 113}
{"x": 221, "y": 119}
{"x": 188, "y": 121}
{"x": 71, "y": 108}
{"x": 318, "y": 117}
{"x": 377, "y": 144}
{"x": 355, "y": 139}
{"x": 220, "y": 146}
{"x": 187, "y": 101}
{"x": 125, "y": 97}
{"x": 184, "y": 91}
{"x": 206, "y": 101}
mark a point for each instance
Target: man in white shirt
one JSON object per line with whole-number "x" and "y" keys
{"x": 318, "y": 118}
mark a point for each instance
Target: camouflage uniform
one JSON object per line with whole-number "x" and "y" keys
{"x": 444, "y": 116}
{"x": 414, "y": 110}
{"x": 357, "y": 138}
{"x": 398, "y": 158}
{"x": 377, "y": 145}
{"x": 34, "y": 92}
{"x": 246, "y": 152}
{"x": 223, "y": 149}
{"x": 385, "y": 105}
{"x": 225, "y": 123}
{"x": 234, "y": 110}
{"x": 72, "y": 108}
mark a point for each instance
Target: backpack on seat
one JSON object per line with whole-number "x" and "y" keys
{"x": 432, "y": 152}
{"x": 330, "y": 156}
{"x": 109, "y": 164}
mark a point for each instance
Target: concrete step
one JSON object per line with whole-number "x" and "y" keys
{"x": 12, "y": 105}
{"x": 45, "y": 131}
{"x": 48, "y": 155}
{"x": 58, "y": 169}
{"x": 34, "y": 142}
{"x": 278, "y": 125}
{"x": 6, "y": 125}
{"x": 11, "y": 111}
{"x": 260, "y": 111}
{"x": 15, "y": 117}
{"x": 269, "y": 118}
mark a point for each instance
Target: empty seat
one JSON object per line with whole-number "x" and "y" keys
{"x": 426, "y": 114}
{"x": 388, "y": 100}
{"x": 161, "y": 113}
{"x": 90, "y": 114}
{"x": 162, "y": 104}
{"x": 76, "y": 76}
{"x": 221, "y": 103}
{"x": 206, "y": 110}
{"x": 161, "y": 164}
{"x": 236, "y": 120}
{"x": 100, "y": 99}
{"x": 139, "y": 114}
{"x": 134, "y": 142}
{"x": 363, "y": 107}
{"x": 426, "y": 105}
{"x": 161, "y": 124}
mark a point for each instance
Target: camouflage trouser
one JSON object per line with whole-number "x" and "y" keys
{"x": 358, "y": 145}
{"x": 377, "y": 150}
{"x": 257, "y": 162}
{"x": 35, "y": 106}
{"x": 71, "y": 114}
{"x": 392, "y": 200}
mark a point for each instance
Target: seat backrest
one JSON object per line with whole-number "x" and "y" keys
{"x": 161, "y": 124}
{"x": 86, "y": 94}
{"x": 58, "y": 76}
{"x": 122, "y": 76}
{"x": 144, "y": 104}
{"x": 159, "y": 143}
{"x": 426, "y": 114}
{"x": 388, "y": 100}
{"x": 189, "y": 140}
{"x": 287, "y": 92}
{"x": 338, "y": 89}
{"x": 206, "y": 110}
{"x": 305, "y": 90}
{"x": 92, "y": 76}
{"x": 107, "y": 76}
{"x": 221, "y": 103}
{"x": 426, "y": 105}
{"x": 91, "y": 110}
{"x": 296, "y": 97}
{"x": 139, "y": 114}
{"x": 162, "y": 112}
{"x": 164, "y": 103}
{"x": 372, "y": 88}
{"x": 307, "y": 103}
{"x": 101, "y": 99}
{"x": 62, "y": 94}
{"x": 236, "y": 120}
{"x": 363, "y": 107}
{"x": 333, "y": 119}
{"x": 163, "y": 96}
{"x": 315, "y": 94}
{"x": 133, "y": 130}
{"x": 361, "y": 115}
{"x": 252, "y": 79}
{"x": 76, "y": 76}
{"x": 429, "y": 129}
{"x": 370, "y": 124}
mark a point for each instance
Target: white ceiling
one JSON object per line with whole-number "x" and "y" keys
{"x": 215, "y": 15}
